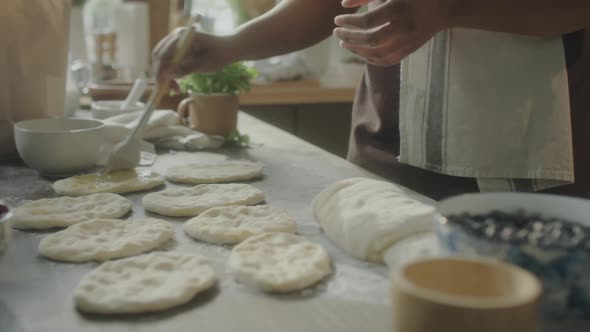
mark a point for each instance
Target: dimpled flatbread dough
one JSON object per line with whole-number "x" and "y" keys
{"x": 279, "y": 262}
{"x": 190, "y": 202}
{"x": 66, "y": 211}
{"x": 145, "y": 283}
{"x": 118, "y": 182}
{"x": 104, "y": 239}
{"x": 227, "y": 171}
{"x": 234, "y": 224}
{"x": 365, "y": 217}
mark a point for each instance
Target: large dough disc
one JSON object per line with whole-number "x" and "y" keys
{"x": 234, "y": 224}
{"x": 228, "y": 171}
{"x": 118, "y": 182}
{"x": 279, "y": 262}
{"x": 104, "y": 239}
{"x": 145, "y": 283}
{"x": 66, "y": 211}
{"x": 189, "y": 202}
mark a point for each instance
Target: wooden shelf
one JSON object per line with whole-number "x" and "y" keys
{"x": 297, "y": 92}
{"x": 338, "y": 85}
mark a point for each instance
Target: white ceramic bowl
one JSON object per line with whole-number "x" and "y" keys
{"x": 56, "y": 147}
{"x": 102, "y": 109}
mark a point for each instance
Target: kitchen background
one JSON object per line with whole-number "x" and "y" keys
{"x": 307, "y": 93}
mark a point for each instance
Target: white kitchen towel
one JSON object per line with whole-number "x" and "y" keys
{"x": 487, "y": 105}
{"x": 163, "y": 130}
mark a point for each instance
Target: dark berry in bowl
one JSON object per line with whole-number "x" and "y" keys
{"x": 520, "y": 227}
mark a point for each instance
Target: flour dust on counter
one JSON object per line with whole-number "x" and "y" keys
{"x": 65, "y": 211}
{"x": 146, "y": 283}
{"x": 279, "y": 262}
{"x": 105, "y": 239}
{"x": 190, "y": 202}
{"x": 119, "y": 182}
{"x": 234, "y": 224}
{"x": 339, "y": 293}
{"x": 227, "y": 171}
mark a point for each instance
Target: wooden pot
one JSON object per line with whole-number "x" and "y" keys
{"x": 212, "y": 114}
{"x": 464, "y": 294}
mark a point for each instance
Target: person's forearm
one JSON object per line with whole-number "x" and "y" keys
{"x": 290, "y": 26}
{"x": 531, "y": 17}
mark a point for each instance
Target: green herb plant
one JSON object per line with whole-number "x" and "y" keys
{"x": 237, "y": 139}
{"x": 231, "y": 79}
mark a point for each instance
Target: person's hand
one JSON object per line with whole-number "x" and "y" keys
{"x": 388, "y": 33}
{"x": 207, "y": 53}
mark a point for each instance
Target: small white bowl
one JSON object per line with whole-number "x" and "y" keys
{"x": 102, "y": 109}
{"x": 57, "y": 147}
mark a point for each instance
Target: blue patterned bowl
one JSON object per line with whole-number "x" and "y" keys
{"x": 562, "y": 265}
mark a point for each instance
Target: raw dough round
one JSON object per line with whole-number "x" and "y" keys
{"x": 66, "y": 211}
{"x": 234, "y": 224}
{"x": 365, "y": 217}
{"x": 189, "y": 202}
{"x": 145, "y": 283}
{"x": 104, "y": 239}
{"x": 279, "y": 262}
{"x": 228, "y": 171}
{"x": 118, "y": 182}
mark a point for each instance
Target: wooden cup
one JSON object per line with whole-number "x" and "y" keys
{"x": 212, "y": 114}
{"x": 461, "y": 294}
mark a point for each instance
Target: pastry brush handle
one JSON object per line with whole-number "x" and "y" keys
{"x": 162, "y": 87}
{"x": 155, "y": 99}
{"x": 184, "y": 42}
